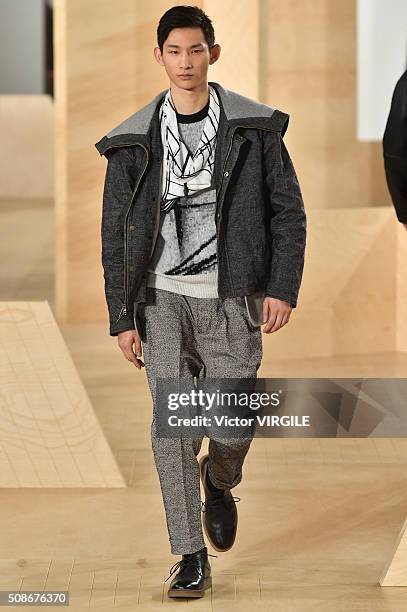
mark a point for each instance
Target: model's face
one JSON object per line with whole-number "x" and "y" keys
{"x": 186, "y": 52}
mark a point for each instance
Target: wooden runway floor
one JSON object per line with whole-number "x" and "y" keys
{"x": 317, "y": 518}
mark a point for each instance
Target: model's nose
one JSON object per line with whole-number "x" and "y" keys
{"x": 184, "y": 63}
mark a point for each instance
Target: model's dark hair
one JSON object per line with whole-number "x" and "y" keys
{"x": 184, "y": 16}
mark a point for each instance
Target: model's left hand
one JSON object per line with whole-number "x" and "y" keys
{"x": 276, "y": 313}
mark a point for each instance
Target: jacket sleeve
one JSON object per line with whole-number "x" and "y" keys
{"x": 117, "y": 194}
{"x": 395, "y": 149}
{"x": 287, "y": 221}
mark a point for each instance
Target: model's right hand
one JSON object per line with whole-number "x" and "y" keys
{"x": 126, "y": 340}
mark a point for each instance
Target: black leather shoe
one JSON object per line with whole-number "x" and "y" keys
{"x": 220, "y": 513}
{"x": 194, "y": 575}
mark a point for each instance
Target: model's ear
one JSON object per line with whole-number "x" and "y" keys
{"x": 157, "y": 55}
{"x": 215, "y": 53}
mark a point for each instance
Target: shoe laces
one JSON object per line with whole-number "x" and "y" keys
{"x": 183, "y": 563}
{"x": 213, "y": 501}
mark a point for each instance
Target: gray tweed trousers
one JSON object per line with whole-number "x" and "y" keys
{"x": 186, "y": 336}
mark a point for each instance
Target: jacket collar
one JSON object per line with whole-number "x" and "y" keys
{"x": 237, "y": 109}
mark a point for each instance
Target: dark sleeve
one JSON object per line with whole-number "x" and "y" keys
{"x": 395, "y": 149}
{"x": 117, "y": 194}
{"x": 287, "y": 223}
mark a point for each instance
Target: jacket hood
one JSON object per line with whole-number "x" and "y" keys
{"x": 237, "y": 108}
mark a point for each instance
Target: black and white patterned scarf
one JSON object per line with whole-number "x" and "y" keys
{"x": 183, "y": 173}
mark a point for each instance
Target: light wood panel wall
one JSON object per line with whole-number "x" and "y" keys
{"x": 95, "y": 49}
{"x": 27, "y": 142}
{"x": 310, "y": 70}
{"x": 297, "y": 56}
{"x": 349, "y": 296}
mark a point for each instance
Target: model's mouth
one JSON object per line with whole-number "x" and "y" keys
{"x": 183, "y": 76}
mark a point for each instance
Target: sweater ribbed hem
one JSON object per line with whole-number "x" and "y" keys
{"x": 195, "y": 285}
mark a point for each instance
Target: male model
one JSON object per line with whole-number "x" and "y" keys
{"x": 395, "y": 149}
{"x": 203, "y": 238}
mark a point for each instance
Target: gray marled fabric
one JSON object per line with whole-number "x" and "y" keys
{"x": 186, "y": 337}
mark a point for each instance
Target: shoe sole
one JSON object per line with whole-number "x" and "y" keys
{"x": 203, "y": 460}
{"x": 191, "y": 593}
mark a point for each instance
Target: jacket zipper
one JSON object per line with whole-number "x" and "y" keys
{"x": 158, "y": 203}
{"x": 231, "y": 142}
{"x": 123, "y": 311}
{"x": 221, "y": 183}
